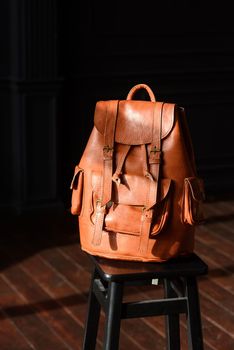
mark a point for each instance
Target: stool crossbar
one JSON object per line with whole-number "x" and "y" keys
{"x": 179, "y": 280}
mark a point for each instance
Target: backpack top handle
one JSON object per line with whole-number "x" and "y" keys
{"x": 137, "y": 87}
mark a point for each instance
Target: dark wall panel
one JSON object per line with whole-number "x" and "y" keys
{"x": 5, "y": 44}
{"x": 40, "y": 148}
{"x": 29, "y": 90}
{"x": 6, "y": 147}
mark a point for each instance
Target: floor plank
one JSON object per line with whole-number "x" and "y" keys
{"x": 9, "y": 331}
{"x": 27, "y": 321}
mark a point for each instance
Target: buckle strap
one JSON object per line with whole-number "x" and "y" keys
{"x": 155, "y": 150}
{"x": 146, "y": 220}
{"x": 124, "y": 152}
{"x": 107, "y": 152}
{"x": 154, "y": 162}
{"x": 106, "y": 190}
{"x": 108, "y": 149}
{"x": 98, "y": 226}
{"x": 155, "y": 155}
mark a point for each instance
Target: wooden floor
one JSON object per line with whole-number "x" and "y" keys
{"x": 45, "y": 278}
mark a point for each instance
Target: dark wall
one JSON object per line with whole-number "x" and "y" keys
{"x": 184, "y": 52}
{"x": 29, "y": 90}
{"x": 59, "y": 58}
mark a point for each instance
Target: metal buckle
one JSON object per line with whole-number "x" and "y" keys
{"x": 154, "y": 150}
{"x": 107, "y": 148}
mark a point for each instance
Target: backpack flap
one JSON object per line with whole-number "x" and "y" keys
{"x": 135, "y": 121}
{"x": 192, "y": 199}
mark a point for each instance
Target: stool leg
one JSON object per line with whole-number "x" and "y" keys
{"x": 172, "y": 321}
{"x": 91, "y": 327}
{"x": 194, "y": 316}
{"x": 113, "y": 316}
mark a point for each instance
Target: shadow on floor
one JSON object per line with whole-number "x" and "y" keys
{"x": 48, "y": 304}
{"x": 25, "y": 235}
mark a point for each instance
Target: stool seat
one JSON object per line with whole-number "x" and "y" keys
{"x": 119, "y": 270}
{"x": 179, "y": 279}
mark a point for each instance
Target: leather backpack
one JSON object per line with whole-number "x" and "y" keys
{"x": 136, "y": 190}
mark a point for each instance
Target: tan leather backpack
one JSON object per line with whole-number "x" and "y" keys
{"x": 136, "y": 189}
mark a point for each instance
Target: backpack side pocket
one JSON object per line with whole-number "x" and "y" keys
{"x": 77, "y": 190}
{"x": 192, "y": 198}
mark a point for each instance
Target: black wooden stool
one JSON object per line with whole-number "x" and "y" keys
{"x": 181, "y": 296}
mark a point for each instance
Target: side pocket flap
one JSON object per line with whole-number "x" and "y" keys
{"x": 74, "y": 182}
{"x": 77, "y": 190}
{"x": 193, "y": 197}
{"x": 196, "y": 186}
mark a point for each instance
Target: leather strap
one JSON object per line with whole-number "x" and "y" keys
{"x": 124, "y": 152}
{"x": 146, "y": 172}
{"x": 154, "y": 161}
{"x": 98, "y": 226}
{"x": 108, "y": 150}
{"x": 155, "y": 153}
